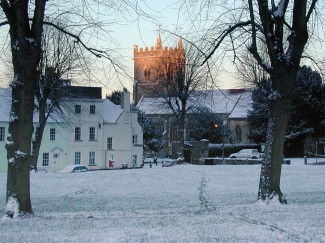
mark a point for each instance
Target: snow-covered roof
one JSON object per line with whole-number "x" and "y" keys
{"x": 235, "y": 102}
{"x": 242, "y": 106}
{"x": 111, "y": 112}
{"x": 151, "y": 106}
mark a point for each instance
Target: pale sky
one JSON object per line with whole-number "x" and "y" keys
{"x": 143, "y": 32}
{"x": 164, "y": 14}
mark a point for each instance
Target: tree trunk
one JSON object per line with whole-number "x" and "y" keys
{"x": 269, "y": 187}
{"x": 19, "y": 149}
{"x": 36, "y": 145}
{"x": 25, "y": 56}
{"x": 182, "y": 122}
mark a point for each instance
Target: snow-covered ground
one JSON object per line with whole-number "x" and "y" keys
{"x": 182, "y": 203}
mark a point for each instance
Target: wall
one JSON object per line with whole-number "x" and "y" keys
{"x": 244, "y": 126}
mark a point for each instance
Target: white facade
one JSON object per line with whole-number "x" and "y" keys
{"x": 91, "y": 132}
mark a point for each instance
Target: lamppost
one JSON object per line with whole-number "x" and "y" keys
{"x": 216, "y": 125}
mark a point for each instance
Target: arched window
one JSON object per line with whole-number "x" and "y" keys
{"x": 146, "y": 71}
{"x": 238, "y": 134}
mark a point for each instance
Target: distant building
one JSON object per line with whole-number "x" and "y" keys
{"x": 231, "y": 105}
{"x": 89, "y": 131}
{"x": 150, "y": 64}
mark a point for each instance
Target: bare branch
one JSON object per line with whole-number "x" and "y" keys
{"x": 37, "y": 25}
{"x": 223, "y": 36}
{"x": 95, "y": 52}
{"x": 253, "y": 48}
{"x": 4, "y": 23}
{"x": 311, "y": 9}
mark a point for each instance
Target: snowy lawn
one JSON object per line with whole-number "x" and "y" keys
{"x": 182, "y": 203}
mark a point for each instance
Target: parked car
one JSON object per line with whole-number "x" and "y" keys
{"x": 74, "y": 168}
{"x": 168, "y": 163}
{"x": 148, "y": 160}
{"x": 247, "y": 154}
{"x": 125, "y": 165}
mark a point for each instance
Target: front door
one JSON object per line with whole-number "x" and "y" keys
{"x": 56, "y": 161}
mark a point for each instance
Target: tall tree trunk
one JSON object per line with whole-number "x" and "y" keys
{"x": 19, "y": 146}
{"x": 280, "y": 102}
{"x": 25, "y": 60}
{"x": 25, "y": 39}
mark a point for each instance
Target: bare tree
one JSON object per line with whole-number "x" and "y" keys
{"x": 59, "y": 57}
{"x": 26, "y": 20}
{"x": 281, "y": 30}
{"x": 180, "y": 77}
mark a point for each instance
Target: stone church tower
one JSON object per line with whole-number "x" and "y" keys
{"x": 150, "y": 66}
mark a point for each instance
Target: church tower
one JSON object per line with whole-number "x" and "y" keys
{"x": 148, "y": 67}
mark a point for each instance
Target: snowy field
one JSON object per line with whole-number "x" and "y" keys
{"x": 182, "y": 203}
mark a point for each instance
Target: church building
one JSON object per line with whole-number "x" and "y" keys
{"x": 153, "y": 66}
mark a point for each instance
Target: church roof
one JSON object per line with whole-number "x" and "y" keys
{"x": 233, "y": 102}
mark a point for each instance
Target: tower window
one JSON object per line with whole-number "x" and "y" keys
{"x": 146, "y": 71}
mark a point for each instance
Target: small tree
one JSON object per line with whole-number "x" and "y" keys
{"x": 115, "y": 97}
{"x": 153, "y": 135}
{"x": 202, "y": 124}
{"x": 59, "y": 56}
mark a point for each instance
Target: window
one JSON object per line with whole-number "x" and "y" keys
{"x": 52, "y": 134}
{"x": 134, "y": 159}
{"x": 238, "y": 134}
{"x": 109, "y": 143}
{"x": 92, "y": 109}
{"x": 135, "y": 139}
{"x": 77, "y": 158}
{"x": 45, "y": 159}
{"x": 77, "y": 109}
{"x": 2, "y": 134}
{"x": 77, "y": 133}
{"x": 91, "y": 158}
{"x": 146, "y": 71}
{"x": 92, "y": 132}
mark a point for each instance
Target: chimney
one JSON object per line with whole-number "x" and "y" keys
{"x": 125, "y": 100}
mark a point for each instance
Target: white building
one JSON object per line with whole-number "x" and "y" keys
{"x": 91, "y": 131}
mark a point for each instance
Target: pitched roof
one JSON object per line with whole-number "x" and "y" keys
{"x": 109, "y": 112}
{"x": 235, "y": 102}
